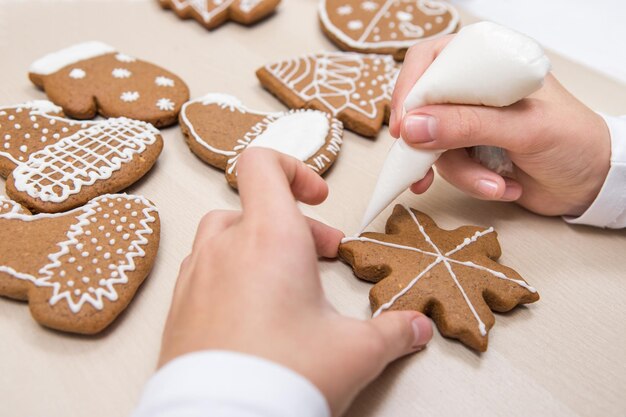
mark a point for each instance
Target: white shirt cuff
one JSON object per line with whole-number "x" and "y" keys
{"x": 609, "y": 207}
{"x": 229, "y": 384}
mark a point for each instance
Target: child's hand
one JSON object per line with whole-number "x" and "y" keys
{"x": 560, "y": 148}
{"x": 251, "y": 285}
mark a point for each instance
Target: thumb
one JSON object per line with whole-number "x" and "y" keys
{"x": 402, "y": 332}
{"x": 452, "y": 126}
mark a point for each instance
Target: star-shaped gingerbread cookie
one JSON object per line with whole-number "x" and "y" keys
{"x": 450, "y": 275}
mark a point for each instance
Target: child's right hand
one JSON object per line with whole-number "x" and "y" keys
{"x": 560, "y": 148}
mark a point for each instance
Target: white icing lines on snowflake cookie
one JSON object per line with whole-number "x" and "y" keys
{"x": 385, "y": 26}
{"x": 54, "y": 164}
{"x": 212, "y": 13}
{"x": 91, "y": 78}
{"x": 444, "y": 259}
{"x": 86, "y": 264}
{"x": 219, "y": 127}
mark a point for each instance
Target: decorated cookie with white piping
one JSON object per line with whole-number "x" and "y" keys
{"x": 218, "y": 127}
{"x": 385, "y": 26}
{"x": 93, "y": 78}
{"x": 53, "y": 164}
{"x": 355, "y": 88}
{"x": 80, "y": 269}
{"x": 450, "y": 275}
{"x": 212, "y": 13}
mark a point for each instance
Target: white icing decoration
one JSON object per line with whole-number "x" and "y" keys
{"x": 162, "y": 81}
{"x": 409, "y": 30}
{"x": 125, "y": 58}
{"x": 89, "y": 155}
{"x": 336, "y": 75}
{"x": 202, "y": 7}
{"x": 129, "y": 96}
{"x": 77, "y": 73}
{"x": 344, "y": 10}
{"x": 54, "y": 61}
{"x": 47, "y": 276}
{"x": 355, "y": 25}
{"x": 121, "y": 73}
{"x": 165, "y": 104}
{"x": 446, "y": 260}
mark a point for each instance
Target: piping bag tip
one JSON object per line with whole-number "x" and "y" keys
{"x": 403, "y": 166}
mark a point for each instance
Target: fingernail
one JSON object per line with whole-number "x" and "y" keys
{"x": 422, "y": 330}
{"x": 420, "y": 128}
{"x": 512, "y": 192}
{"x": 487, "y": 188}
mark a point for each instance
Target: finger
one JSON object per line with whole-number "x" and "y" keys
{"x": 213, "y": 223}
{"x": 402, "y": 332}
{"x": 456, "y": 167}
{"x": 269, "y": 183}
{"x": 424, "y": 184}
{"x": 417, "y": 59}
{"x": 327, "y": 239}
{"x": 517, "y": 128}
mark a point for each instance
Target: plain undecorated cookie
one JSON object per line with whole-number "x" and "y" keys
{"x": 450, "y": 275}
{"x": 54, "y": 164}
{"x": 355, "y": 88}
{"x": 78, "y": 270}
{"x": 93, "y": 78}
{"x": 218, "y": 128}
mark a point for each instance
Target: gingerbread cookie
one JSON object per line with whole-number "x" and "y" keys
{"x": 91, "y": 77}
{"x": 212, "y": 13}
{"x": 218, "y": 127}
{"x": 54, "y": 164}
{"x": 355, "y": 88}
{"x": 385, "y": 26}
{"x": 78, "y": 270}
{"x": 450, "y": 275}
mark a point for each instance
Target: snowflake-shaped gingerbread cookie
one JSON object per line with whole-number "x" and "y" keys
{"x": 54, "y": 164}
{"x": 450, "y": 275}
{"x": 212, "y": 13}
{"x": 218, "y": 128}
{"x": 385, "y": 26}
{"x": 80, "y": 269}
{"x": 93, "y": 78}
{"x": 355, "y": 88}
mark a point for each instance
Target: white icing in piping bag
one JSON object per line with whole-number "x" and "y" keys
{"x": 485, "y": 64}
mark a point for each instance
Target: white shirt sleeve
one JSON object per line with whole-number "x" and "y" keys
{"x": 609, "y": 207}
{"x": 229, "y": 384}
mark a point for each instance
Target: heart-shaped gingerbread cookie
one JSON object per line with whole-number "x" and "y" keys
{"x": 91, "y": 78}
{"x": 78, "y": 270}
{"x": 385, "y": 26}
{"x": 218, "y": 127}
{"x": 54, "y": 164}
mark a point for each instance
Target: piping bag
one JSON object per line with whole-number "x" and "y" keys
{"x": 485, "y": 64}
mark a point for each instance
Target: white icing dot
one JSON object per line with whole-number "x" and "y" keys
{"x": 98, "y": 248}
{"x": 7, "y": 136}
{"x": 127, "y": 206}
{"x": 393, "y": 35}
{"x": 137, "y": 201}
{"x": 65, "y": 130}
{"x": 118, "y": 228}
{"x": 116, "y": 212}
{"x": 44, "y": 131}
{"x": 121, "y": 73}
{"x": 344, "y": 10}
{"x": 85, "y": 280}
{"x": 356, "y": 96}
{"x": 370, "y": 92}
{"x": 70, "y": 283}
{"x": 36, "y": 125}
{"x": 94, "y": 240}
{"x": 93, "y": 219}
{"x": 85, "y": 254}
{"x": 26, "y": 135}
{"x": 79, "y": 268}
{"x": 363, "y": 103}
{"x": 76, "y": 291}
{"x": 101, "y": 228}
{"x": 17, "y": 126}
{"x": 106, "y": 215}
{"x": 125, "y": 236}
{"x": 134, "y": 214}
{"x": 79, "y": 246}
{"x": 131, "y": 226}
{"x": 11, "y": 117}
{"x": 123, "y": 219}
{"x": 52, "y": 121}
{"x": 119, "y": 251}
{"x": 77, "y": 73}
{"x": 88, "y": 232}
{"x": 94, "y": 261}
{"x": 113, "y": 221}
{"x": 112, "y": 266}
{"x": 124, "y": 58}
{"x": 90, "y": 289}
{"x": 165, "y": 104}
{"x": 62, "y": 273}
{"x": 107, "y": 234}
{"x": 428, "y": 26}
{"x": 56, "y": 136}
{"x": 23, "y": 148}
{"x": 71, "y": 260}
{"x": 102, "y": 282}
{"x": 107, "y": 255}
{"x": 98, "y": 271}
{"x": 129, "y": 96}
{"x": 43, "y": 138}
{"x": 439, "y": 19}
{"x": 114, "y": 274}
{"x": 376, "y": 39}
{"x": 7, "y": 145}
{"x": 355, "y": 25}
{"x": 164, "y": 81}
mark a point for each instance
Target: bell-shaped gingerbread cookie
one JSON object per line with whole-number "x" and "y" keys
{"x": 212, "y": 13}
{"x": 355, "y": 88}
{"x": 78, "y": 270}
{"x": 54, "y": 164}
{"x": 218, "y": 127}
{"x": 385, "y": 26}
{"x": 93, "y": 78}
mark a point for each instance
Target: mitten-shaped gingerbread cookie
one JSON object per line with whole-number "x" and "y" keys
{"x": 385, "y": 26}
{"x": 450, "y": 275}
{"x": 78, "y": 270}
{"x": 212, "y": 13}
{"x": 91, "y": 77}
{"x": 355, "y": 88}
{"x": 54, "y": 164}
{"x": 218, "y": 127}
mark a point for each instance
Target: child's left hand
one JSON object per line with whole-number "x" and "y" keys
{"x": 252, "y": 285}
